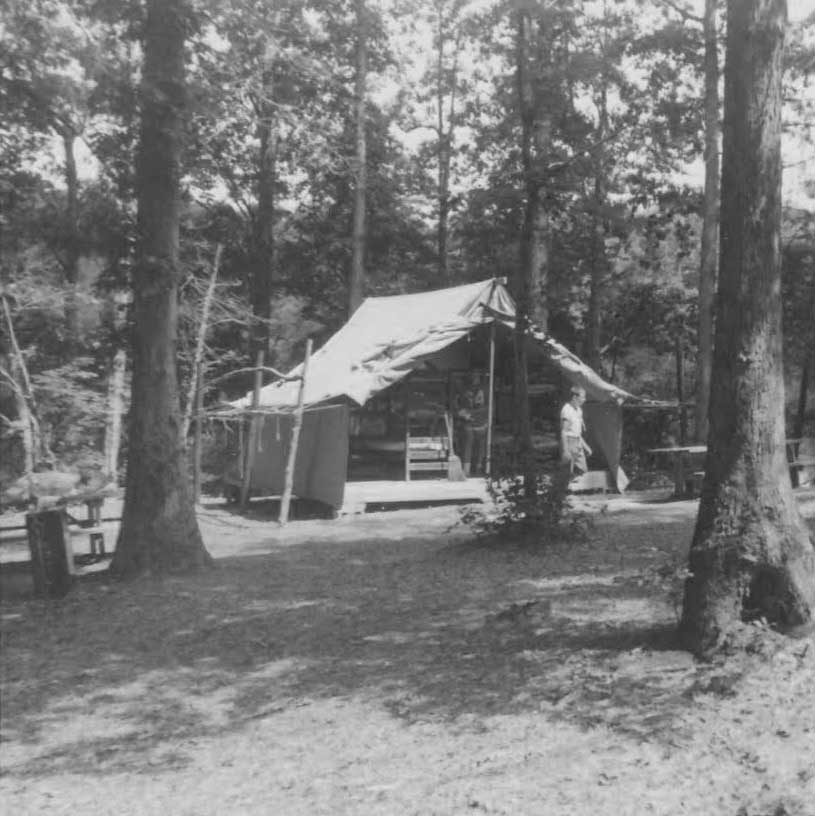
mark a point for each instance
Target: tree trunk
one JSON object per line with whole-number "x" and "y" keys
{"x": 445, "y": 138}
{"x": 710, "y": 226}
{"x": 752, "y": 555}
{"x": 445, "y": 127}
{"x": 198, "y": 357}
{"x": 356, "y": 284}
{"x": 263, "y": 262}
{"x": 527, "y": 280}
{"x": 680, "y": 387}
{"x": 598, "y": 253}
{"x": 113, "y": 420}
{"x": 159, "y": 529}
{"x": 806, "y": 367}
{"x": 35, "y": 446}
{"x": 72, "y": 240}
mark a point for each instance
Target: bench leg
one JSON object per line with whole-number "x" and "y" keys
{"x": 97, "y": 540}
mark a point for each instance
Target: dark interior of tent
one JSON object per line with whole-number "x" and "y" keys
{"x": 408, "y": 430}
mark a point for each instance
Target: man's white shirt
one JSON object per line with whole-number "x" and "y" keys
{"x": 571, "y": 421}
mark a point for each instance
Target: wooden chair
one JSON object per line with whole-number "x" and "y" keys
{"x": 426, "y": 447}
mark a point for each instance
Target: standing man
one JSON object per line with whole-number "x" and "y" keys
{"x": 573, "y": 447}
{"x": 473, "y": 412}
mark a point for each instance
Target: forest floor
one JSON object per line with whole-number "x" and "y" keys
{"x": 388, "y": 665}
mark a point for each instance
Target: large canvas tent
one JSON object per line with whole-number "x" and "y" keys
{"x": 385, "y": 341}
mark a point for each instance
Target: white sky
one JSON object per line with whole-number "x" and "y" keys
{"x": 798, "y": 157}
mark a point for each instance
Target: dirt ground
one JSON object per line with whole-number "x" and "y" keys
{"x": 388, "y": 665}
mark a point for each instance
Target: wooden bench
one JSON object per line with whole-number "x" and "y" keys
{"x": 91, "y": 525}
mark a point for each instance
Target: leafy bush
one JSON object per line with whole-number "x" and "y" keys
{"x": 546, "y": 516}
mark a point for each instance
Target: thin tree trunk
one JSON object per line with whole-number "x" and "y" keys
{"x": 72, "y": 238}
{"x": 806, "y": 367}
{"x": 263, "y": 264}
{"x": 35, "y": 447}
{"x": 803, "y": 393}
{"x": 523, "y": 284}
{"x": 752, "y": 556}
{"x": 598, "y": 254}
{"x": 680, "y": 388}
{"x": 444, "y": 155}
{"x": 113, "y": 420}
{"x": 445, "y": 133}
{"x": 199, "y": 420}
{"x": 198, "y": 357}
{"x": 159, "y": 530}
{"x": 297, "y": 422}
{"x": 710, "y": 225}
{"x": 357, "y": 278}
{"x": 255, "y": 425}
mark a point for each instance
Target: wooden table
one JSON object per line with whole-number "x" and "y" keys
{"x": 797, "y": 459}
{"x": 682, "y": 456}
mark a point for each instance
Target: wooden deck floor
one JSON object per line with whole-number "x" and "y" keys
{"x": 359, "y": 495}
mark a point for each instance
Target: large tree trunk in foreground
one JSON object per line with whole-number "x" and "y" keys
{"x": 159, "y": 529}
{"x": 752, "y": 555}
{"x": 710, "y": 225}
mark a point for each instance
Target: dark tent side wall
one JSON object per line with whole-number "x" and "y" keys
{"x": 322, "y": 455}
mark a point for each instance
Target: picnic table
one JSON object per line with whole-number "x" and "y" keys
{"x": 687, "y": 473}
{"x": 684, "y": 457}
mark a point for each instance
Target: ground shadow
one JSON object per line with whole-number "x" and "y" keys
{"x": 430, "y": 630}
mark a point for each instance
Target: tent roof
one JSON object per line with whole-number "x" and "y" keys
{"x": 387, "y": 337}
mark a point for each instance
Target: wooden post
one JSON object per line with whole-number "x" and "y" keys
{"x": 251, "y": 441}
{"x": 407, "y": 431}
{"x": 288, "y": 485}
{"x": 490, "y": 402}
{"x": 196, "y": 450}
{"x": 199, "y": 346}
{"x": 52, "y": 560}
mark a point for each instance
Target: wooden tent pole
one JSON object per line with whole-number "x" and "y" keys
{"x": 196, "y": 450}
{"x": 288, "y": 485}
{"x": 490, "y": 400}
{"x": 251, "y": 442}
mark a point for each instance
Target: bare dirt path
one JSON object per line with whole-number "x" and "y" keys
{"x": 385, "y": 665}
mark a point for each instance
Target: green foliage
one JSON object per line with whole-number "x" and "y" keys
{"x": 72, "y": 404}
{"x": 621, "y": 90}
{"x": 544, "y": 517}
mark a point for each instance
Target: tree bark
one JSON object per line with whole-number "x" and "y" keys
{"x": 356, "y": 284}
{"x": 159, "y": 529}
{"x": 113, "y": 420}
{"x": 72, "y": 239}
{"x": 198, "y": 357}
{"x": 36, "y": 450}
{"x": 710, "y": 225}
{"x": 445, "y": 129}
{"x": 594, "y": 321}
{"x": 751, "y": 556}
{"x": 263, "y": 263}
{"x": 527, "y": 279}
{"x": 806, "y": 367}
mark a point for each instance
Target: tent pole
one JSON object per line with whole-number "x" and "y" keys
{"x": 490, "y": 400}
{"x": 288, "y": 485}
{"x": 251, "y": 441}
